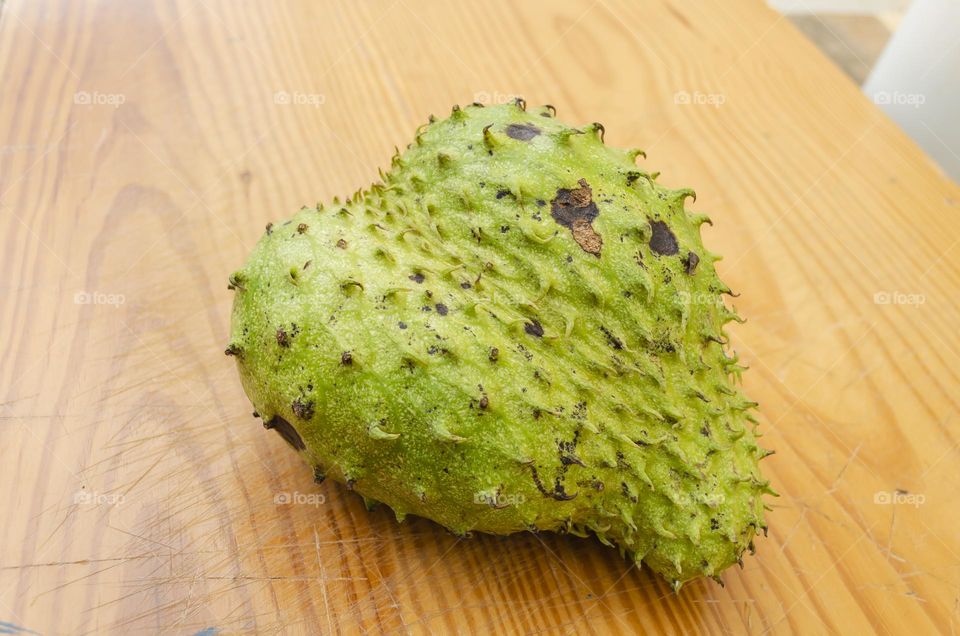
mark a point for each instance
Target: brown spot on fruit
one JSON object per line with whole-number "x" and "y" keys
{"x": 286, "y": 431}
{"x": 612, "y": 340}
{"x": 318, "y": 475}
{"x": 283, "y": 338}
{"x": 522, "y": 132}
{"x": 417, "y": 278}
{"x": 575, "y": 209}
{"x": 484, "y": 402}
{"x": 533, "y": 328}
{"x": 586, "y": 237}
{"x": 690, "y": 262}
{"x": 342, "y": 244}
{"x": 302, "y": 228}
{"x": 663, "y": 241}
{"x": 346, "y": 358}
{"x": 494, "y": 354}
{"x": 232, "y": 350}
{"x": 302, "y": 409}
{"x": 441, "y": 309}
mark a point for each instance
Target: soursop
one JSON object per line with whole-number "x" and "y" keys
{"x": 516, "y": 329}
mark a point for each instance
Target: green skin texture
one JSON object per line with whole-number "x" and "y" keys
{"x": 621, "y": 420}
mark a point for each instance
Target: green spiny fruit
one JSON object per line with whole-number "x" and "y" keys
{"x": 517, "y": 329}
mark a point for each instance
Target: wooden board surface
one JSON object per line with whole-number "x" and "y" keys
{"x": 143, "y": 146}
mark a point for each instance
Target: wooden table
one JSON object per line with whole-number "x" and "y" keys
{"x": 146, "y": 143}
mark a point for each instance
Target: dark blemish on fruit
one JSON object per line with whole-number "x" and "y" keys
{"x": 593, "y": 482}
{"x": 612, "y": 340}
{"x": 504, "y": 229}
{"x": 621, "y": 461}
{"x": 632, "y": 176}
{"x": 502, "y": 193}
{"x": 575, "y": 209}
{"x": 342, "y": 244}
{"x": 232, "y": 350}
{"x": 569, "y": 258}
{"x": 302, "y": 228}
{"x": 557, "y": 492}
{"x": 494, "y": 354}
{"x": 626, "y": 492}
{"x": 318, "y": 475}
{"x": 346, "y": 358}
{"x": 269, "y": 228}
{"x": 235, "y": 281}
{"x": 465, "y": 285}
{"x": 255, "y": 414}
{"x": 426, "y": 308}
{"x": 484, "y": 402}
{"x": 663, "y": 242}
{"x": 286, "y": 431}
{"x": 441, "y": 309}
{"x": 568, "y": 457}
{"x": 522, "y": 132}
{"x": 690, "y": 262}
{"x": 705, "y": 431}
{"x": 533, "y": 328}
{"x": 627, "y": 293}
{"x": 714, "y": 524}
{"x": 417, "y": 278}
{"x": 402, "y": 325}
{"x": 541, "y": 203}
{"x": 302, "y": 409}
{"x": 433, "y": 350}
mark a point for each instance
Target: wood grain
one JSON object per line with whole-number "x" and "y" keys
{"x": 144, "y": 146}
